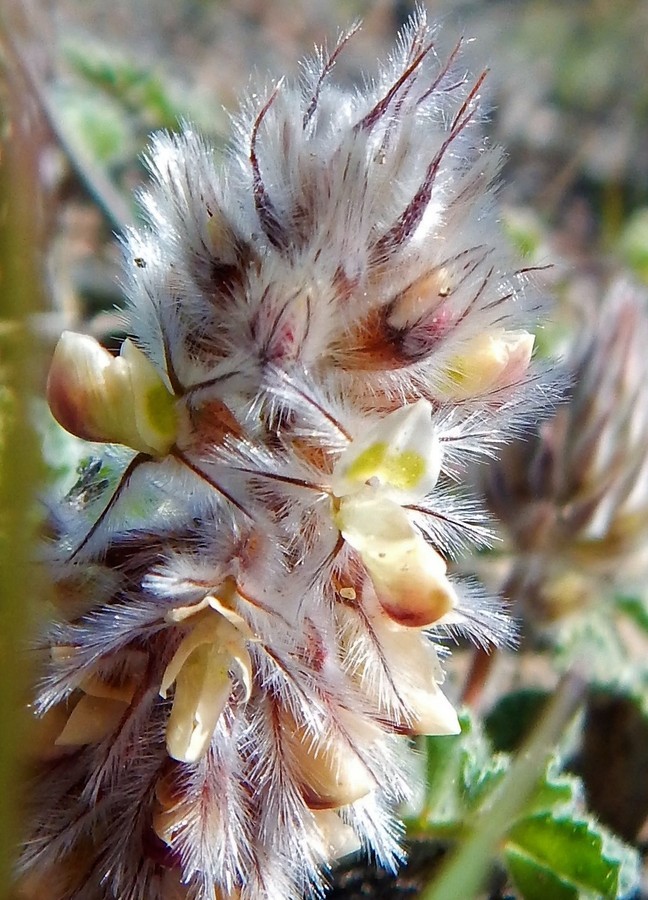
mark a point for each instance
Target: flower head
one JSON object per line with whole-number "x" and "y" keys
{"x": 256, "y": 596}
{"x": 572, "y": 500}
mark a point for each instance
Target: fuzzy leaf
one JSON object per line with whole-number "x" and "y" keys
{"x": 461, "y": 772}
{"x": 153, "y": 98}
{"x": 565, "y": 857}
{"x": 98, "y": 127}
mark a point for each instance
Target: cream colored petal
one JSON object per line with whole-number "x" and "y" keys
{"x": 153, "y": 404}
{"x": 408, "y": 575}
{"x": 401, "y": 452}
{"x": 77, "y": 389}
{"x": 338, "y": 838}
{"x": 432, "y": 712}
{"x": 490, "y": 360}
{"x": 200, "y": 669}
{"x": 91, "y": 720}
{"x": 206, "y": 630}
{"x": 96, "y": 686}
{"x": 202, "y": 688}
{"x": 330, "y": 772}
{"x": 417, "y": 674}
{"x": 233, "y": 617}
{"x": 119, "y": 400}
{"x": 180, "y": 613}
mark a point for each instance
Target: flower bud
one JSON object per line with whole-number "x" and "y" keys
{"x": 331, "y": 773}
{"x": 490, "y": 360}
{"x": 121, "y": 400}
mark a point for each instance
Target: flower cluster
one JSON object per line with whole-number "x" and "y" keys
{"x": 572, "y": 499}
{"x": 252, "y": 580}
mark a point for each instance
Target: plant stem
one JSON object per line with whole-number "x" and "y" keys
{"x": 464, "y": 872}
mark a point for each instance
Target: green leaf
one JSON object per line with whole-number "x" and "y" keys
{"x": 561, "y": 857}
{"x": 150, "y": 96}
{"x": 512, "y": 718}
{"x": 636, "y": 609}
{"x": 593, "y": 636}
{"x": 97, "y": 124}
{"x": 461, "y": 771}
{"x": 552, "y": 850}
{"x": 554, "y": 793}
{"x": 537, "y": 883}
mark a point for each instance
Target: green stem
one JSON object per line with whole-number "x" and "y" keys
{"x": 19, "y": 470}
{"x": 464, "y": 872}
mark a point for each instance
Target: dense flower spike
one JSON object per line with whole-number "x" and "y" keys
{"x": 327, "y": 330}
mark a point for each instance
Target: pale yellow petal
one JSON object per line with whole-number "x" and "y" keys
{"x": 338, "y": 838}
{"x": 121, "y": 400}
{"x": 202, "y": 688}
{"x": 330, "y": 772}
{"x": 91, "y": 720}
{"x": 417, "y": 674}
{"x": 408, "y": 575}
{"x": 401, "y": 453}
{"x": 200, "y": 668}
{"x": 489, "y": 361}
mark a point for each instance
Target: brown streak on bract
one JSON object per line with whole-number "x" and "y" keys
{"x": 266, "y": 212}
{"x": 370, "y": 119}
{"x": 185, "y": 461}
{"x": 326, "y": 71}
{"x": 443, "y": 72}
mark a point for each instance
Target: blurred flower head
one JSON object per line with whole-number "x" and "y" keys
{"x": 327, "y": 330}
{"x": 573, "y": 498}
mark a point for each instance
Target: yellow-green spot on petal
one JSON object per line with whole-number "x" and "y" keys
{"x": 368, "y": 463}
{"x": 457, "y": 376}
{"x": 161, "y": 410}
{"x": 402, "y": 470}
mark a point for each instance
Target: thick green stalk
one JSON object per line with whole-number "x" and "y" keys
{"x": 18, "y": 449}
{"x": 463, "y": 874}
